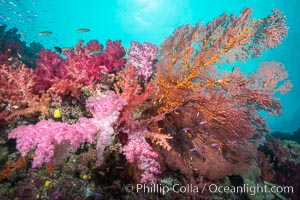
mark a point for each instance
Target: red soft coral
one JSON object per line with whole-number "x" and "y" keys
{"x": 113, "y": 56}
{"x": 83, "y": 65}
{"x": 47, "y": 63}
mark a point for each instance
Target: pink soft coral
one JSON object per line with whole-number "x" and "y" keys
{"x": 106, "y": 110}
{"x": 141, "y": 56}
{"x": 47, "y": 135}
{"x": 138, "y": 148}
{"x": 106, "y": 105}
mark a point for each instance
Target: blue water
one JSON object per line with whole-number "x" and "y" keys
{"x": 152, "y": 20}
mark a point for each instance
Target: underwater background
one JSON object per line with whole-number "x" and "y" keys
{"x": 99, "y": 98}
{"x": 151, "y": 21}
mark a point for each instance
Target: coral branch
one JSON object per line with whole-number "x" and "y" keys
{"x": 16, "y": 93}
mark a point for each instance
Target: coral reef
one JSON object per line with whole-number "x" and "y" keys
{"x": 91, "y": 121}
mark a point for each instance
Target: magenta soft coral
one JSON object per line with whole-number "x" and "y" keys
{"x": 83, "y": 65}
{"x": 47, "y": 63}
{"x": 80, "y": 65}
{"x": 46, "y": 135}
{"x": 113, "y": 56}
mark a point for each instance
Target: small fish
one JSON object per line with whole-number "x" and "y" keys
{"x": 58, "y": 49}
{"x": 97, "y": 194}
{"x": 186, "y": 129}
{"x": 57, "y": 114}
{"x": 244, "y": 141}
{"x": 119, "y": 167}
{"x": 233, "y": 69}
{"x": 260, "y": 142}
{"x": 67, "y": 49}
{"x": 214, "y": 144}
{"x": 12, "y": 3}
{"x": 84, "y": 177}
{"x": 101, "y": 173}
{"x": 47, "y": 183}
{"x": 193, "y": 149}
{"x": 82, "y": 30}
{"x": 203, "y": 122}
{"x": 45, "y": 33}
{"x": 95, "y": 52}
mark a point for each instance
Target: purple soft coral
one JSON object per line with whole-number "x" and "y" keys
{"x": 141, "y": 56}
